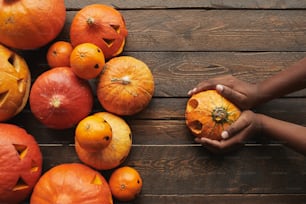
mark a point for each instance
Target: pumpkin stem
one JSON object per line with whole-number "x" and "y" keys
{"x": 219, "y": 115}
{"x": 90, "y": 21}
{"x": 124, "y": 80}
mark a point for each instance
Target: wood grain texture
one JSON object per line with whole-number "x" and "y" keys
{"x": 183, "y": 43}
{"x": 211, "y": 4}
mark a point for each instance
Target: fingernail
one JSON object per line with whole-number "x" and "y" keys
{"x": 219, "y": 87}
{"x": 224, "y": 135}
{"x": 191, "y": 91}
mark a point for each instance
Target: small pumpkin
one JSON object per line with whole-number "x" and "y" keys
{"x": 93, "y": 133}
{"x": 31, "y": 24}
{"x": 59, "y": 99}
{"x": 125, "y": 86}
{"x": 58, "y": 54}
{"x": 208, "y": 114}
{"x": 112, "y": 155}
{"x": 21, "y": 163}
{"x": 87, "y": 60}
{"x": 125, "y": 183}
{"x": 71, "y": 183}
{"x": 15, "y": 82}
{"x": 101, "y": 25}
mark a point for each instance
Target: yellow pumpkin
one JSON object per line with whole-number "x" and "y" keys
{"x": 15, "y": 81}
{"x": 208, "y": 114}
{"x": 114, "y": 153}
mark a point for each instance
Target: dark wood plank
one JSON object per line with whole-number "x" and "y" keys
{"x": 229, "y": 4}
{"x": 191, "y": 170}
{"x": 162, "y": 122}
{"x": 177, "y": 72}
{"x": 212, "y": 30}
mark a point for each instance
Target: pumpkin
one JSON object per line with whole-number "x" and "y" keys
{"x": 112, "y": 155}
{"x": 87, "y": 60}
{"x": 59, "y": 99}
{"x": 208, "y": 114}
{"x": 125, "y": 183}
{"x": 21, "y": 163}
{"x": 125, "y": 86}
{"x": 15, "y": 82}
{"x": 93, "y": 133}
{"x": 101, "y": 25}
{"x": 71, "y": 183}
{"x": 30, "y": 24}
{"x": 58, "y": 54}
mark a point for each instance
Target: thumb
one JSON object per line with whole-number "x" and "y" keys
{"x": 230, "y": 94}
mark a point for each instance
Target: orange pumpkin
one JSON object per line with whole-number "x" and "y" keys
{"x": 58, "y": 54}
{"x": 59, "y": 99}
{"x": 208, "y": 114}
{"x": 87, "y": 60}
{"x": 115, "y": 152}
{"x": 20, "y": 163}
{"x": 93, "y": 133}
{"x": 15, "y": 81}
{"x": 125, "y": 86}
{"x": 125, "y": 183}
{"x": 71, "y": 184}
{"x": 101, "y": 25}
{"x": 31, "y": 24}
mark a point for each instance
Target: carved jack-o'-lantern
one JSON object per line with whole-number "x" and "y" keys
{"x": 15, "y": 81}
{"x": 71, "y": 183}
{"x": 20, "y": 163}
{"x": 208, "y": 114}
{"x": 101, "y": 25}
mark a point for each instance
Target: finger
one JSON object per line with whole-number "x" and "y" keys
{"x": 236, "y": 127}
{"x": 233, "y": 96}
{"x": 203, "y": 86}
{"x": 219, "y": 147}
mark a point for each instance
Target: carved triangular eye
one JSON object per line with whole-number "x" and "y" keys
{"x": 96, "y": 180}
{"x": 20, "y": 185}
{"x": 34, "y": 166}
{"x": 11, "y": 59}
{"x": 116, "y": 28}
{"x": 21, "y": 150}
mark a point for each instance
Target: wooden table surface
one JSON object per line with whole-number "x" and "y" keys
{"x": 183, "y": 43}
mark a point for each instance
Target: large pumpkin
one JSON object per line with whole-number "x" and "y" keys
{"x": 30, "y": 24}
{"x": 71, "y": 184}
{"x": 15, "y": 81}
{"x": 125, "y": 86}
{"x": 208, "y": 114}
{"x": 20, "y": 163}
{"x": 59, "y": 99}
{"x": 101, "y": 25}
{"x": 115, "y": 152}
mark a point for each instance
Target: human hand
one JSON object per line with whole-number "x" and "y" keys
{"x": 247, "y": 125}
{"x": 244, "y": 95}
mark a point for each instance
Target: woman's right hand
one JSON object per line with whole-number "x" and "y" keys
{"x": 244, "y": 95}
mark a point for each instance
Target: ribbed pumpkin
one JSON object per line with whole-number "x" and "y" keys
{"x": 208, "y": 114}
{"x": 30, "y": 24}
{"x": 20, "y": 163}
{"x": 101, "y": 25}
{"x": 125, "y": 86}
{"x": 15, "y": 81}
{"x": 117, "y": 150}
{"x": 71, "y": 183}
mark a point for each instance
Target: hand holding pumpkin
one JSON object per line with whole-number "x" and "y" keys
{"x": 244, "y": 95}
{"x": 208, "y": 114}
